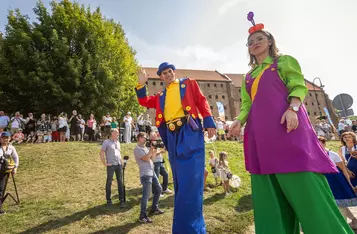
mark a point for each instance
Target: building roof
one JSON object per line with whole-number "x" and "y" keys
{"x": 206, "y": 75}
{"x": 202, "y": 75}
{"x": 236, "y": 79}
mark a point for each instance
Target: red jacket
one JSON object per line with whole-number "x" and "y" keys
{"x": 192, "y": 99}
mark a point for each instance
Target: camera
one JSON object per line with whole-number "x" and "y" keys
{"x": 126, "y": 158}
{"x": 155, "y": 143}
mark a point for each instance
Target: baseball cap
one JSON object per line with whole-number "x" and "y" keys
{"x": 5, "y": 134}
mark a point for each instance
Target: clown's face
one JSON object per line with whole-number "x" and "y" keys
{"x": 168, "y": 76}
{"x": 258, "y": 44}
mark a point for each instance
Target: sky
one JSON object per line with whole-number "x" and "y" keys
{"x": 212, "y": 34}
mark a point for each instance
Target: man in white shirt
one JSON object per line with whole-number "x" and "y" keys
{"x": 140, "y": 122}
{"x": 341, "y": 127}
{"x": 16, "y": 123}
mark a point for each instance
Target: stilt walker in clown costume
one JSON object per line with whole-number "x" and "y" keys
{"x": 178, "y": 110}
{"x": 282, "y": 152}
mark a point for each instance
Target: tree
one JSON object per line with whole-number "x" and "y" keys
{"x": 73, "y": 58}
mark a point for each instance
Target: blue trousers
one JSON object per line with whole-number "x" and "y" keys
{"x": 187, "y": 158}
{"x": 150, "y": 183}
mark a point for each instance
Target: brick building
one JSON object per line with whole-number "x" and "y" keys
{"x": 225, "y": 88}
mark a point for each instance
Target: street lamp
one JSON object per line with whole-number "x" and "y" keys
{"x": 321, "y": 87}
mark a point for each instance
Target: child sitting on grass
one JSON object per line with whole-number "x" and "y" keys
{"x": 224, "y": 171}
{"x": 18, "y": 137}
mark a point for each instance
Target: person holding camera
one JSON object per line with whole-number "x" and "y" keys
{"x": 111, "y": 158}
{"x": 9, "y": 162}
{"x": 159, "y": 167}
{"x": 144, "y": 157}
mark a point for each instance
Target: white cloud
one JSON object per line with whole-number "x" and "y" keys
{"x": 190, "y": 57}
{"x": 228, "y": 5}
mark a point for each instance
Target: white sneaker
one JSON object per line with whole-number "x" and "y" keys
{"x": 162, "y": 195}
{"x": 167, "y": 191}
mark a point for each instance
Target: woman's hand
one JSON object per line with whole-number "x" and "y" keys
{"x": 234, "y": 130}
{"x": 291, "y": 119}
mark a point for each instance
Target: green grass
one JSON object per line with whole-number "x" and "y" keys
{"x": 61, "y": 188}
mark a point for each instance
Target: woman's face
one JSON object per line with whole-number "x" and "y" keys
{"x": 211, "y": 154}
{"x": 43, "y": 116}
{"x": 258, "y": 43}
{"x": 74, "y": 112}
{"x": 91, "y": 116}
{"x": 348, "y": 139}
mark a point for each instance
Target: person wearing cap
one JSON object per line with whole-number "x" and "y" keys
{"x": 179, "y": 109}
{"x": 128, "y": 121}
{"x": 6, "y": 150}
{"x": 282, "y": 153}
{"x": 18, "y": 137}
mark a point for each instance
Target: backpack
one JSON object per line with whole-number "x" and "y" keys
{"x": 7, "y": 163}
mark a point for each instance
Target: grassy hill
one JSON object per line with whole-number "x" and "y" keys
{"x": 61, "y": 187}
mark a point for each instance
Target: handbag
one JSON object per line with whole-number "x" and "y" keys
{"x": 213, "y": 169}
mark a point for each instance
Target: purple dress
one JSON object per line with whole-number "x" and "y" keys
{"x": 268, "y": 148}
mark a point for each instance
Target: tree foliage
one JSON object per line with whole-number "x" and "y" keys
{"x": 70, "y": 58}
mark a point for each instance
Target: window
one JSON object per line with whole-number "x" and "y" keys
{"x": 310, "y": 94}
{"x": 223, "y": 97}
{"x": 240, "y": 99}
{"x": 208, "y": 85}
{"x": 225, "y": 107}
{"x": 315, "y": 113}
{"x": 215, "y": 85}
{"x": 308, "y": 113}
{"x": 211, "y": 107}
{"x": 305, "y": 103}
{"x": 162, "y": 83}
{"x": 226, "y": 118}
{"x": 209, "y": 96}
{"x": 154, "y": 83}
{"x": 221, "y": 85}
{"x": 216, "y": 96}
{"x": 312, "y": 103}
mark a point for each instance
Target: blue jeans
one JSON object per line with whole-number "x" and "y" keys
{"x": 119, "y": 175}
{"x": 160, "y": 170}
{"x": 150, "y": 182}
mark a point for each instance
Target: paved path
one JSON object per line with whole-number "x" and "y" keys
{"x": 251, "y": 228}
